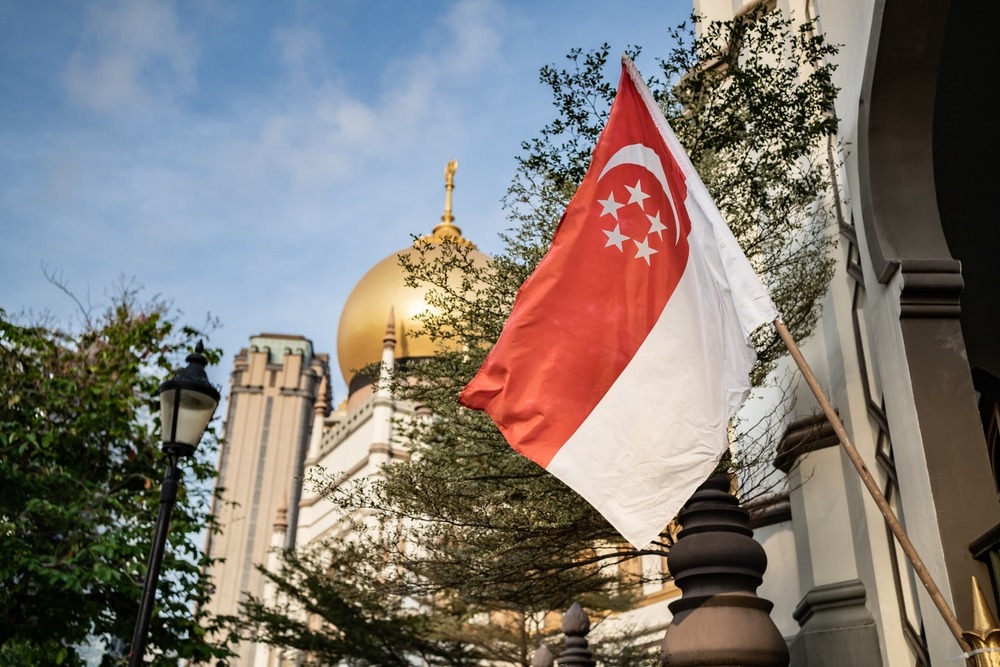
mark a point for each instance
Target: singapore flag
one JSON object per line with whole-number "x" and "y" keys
{"x": 627, "y": 350}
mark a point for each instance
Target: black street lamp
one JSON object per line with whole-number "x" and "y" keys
{"x": 187, "y": 403}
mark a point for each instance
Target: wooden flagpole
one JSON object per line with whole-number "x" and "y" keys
{"x": 870, "y": 484}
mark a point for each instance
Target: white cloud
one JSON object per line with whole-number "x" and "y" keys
{"x": 302, "y": 53}
{"x": 474, "y": 34}
{"x": 133, "y": 54}
{"x": 312, "y": 132}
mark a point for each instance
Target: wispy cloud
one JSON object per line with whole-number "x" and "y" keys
{"x": 314, "y": 131}
{"x": 303, "y": 54}
{"x": 474, "y": 33}
{"x": 133, "y": 54}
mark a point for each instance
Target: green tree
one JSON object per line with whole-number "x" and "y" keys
{"x": 488, "y": 532}
{"x": 80, "y": 469}
{"x": 332, "y": 607}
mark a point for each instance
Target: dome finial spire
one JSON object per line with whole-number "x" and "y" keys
{"x": 447, "y": 228}
{"x": 449, "y": 185}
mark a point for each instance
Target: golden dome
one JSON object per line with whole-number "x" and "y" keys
{"x": 362, "y": 325}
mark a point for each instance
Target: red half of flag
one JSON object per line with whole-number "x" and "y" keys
{"x": 626, "y": 351}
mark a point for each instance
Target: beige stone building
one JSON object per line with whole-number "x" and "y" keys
{"x": 276, "y": 386}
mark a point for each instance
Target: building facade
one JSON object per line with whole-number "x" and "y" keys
{"x": 277, "y": 385}
{"x": 904, "y": 348}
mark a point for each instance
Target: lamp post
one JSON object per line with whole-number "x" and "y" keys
{"x": 187, "y": 403}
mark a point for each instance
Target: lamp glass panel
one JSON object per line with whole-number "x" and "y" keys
{"x": 194, "y": 413}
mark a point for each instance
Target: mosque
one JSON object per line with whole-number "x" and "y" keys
{"x": 280, "y": 423}
{"x": 906, "y": 350}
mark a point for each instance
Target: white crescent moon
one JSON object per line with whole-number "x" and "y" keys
{"x": 644, "y": 156}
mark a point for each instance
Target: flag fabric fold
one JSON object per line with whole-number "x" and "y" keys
{"x": 627, "y": 350}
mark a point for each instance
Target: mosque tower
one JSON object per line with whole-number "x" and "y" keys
{"x": 277, "y": 384}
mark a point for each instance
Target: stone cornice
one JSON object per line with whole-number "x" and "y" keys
{"x": 931, "y": 288}
{"x": 801, "y": 437}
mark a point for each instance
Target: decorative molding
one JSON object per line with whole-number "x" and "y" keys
{"x": 344, "y": 476}
{"x": 304, "y": 393}
{"x": 769, "y": 510}
{"x": 802, "y": 437}
{"x": 338, "y": 433}
{"x": 836, "y": 628}
{"x": 846, "y": 597}
{"x": 931, "y": 288}
{"x": 989, "y": 541}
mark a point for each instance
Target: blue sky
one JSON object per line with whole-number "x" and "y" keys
{"x": 252, "y": 159}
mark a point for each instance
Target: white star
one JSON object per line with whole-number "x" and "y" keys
{"x": 615, "y": 237}
{"x": 655, "y": 226}
{"x": 643, "y": 250}
{"x": 636, "y": 195}
{"x": 610, "y": 205}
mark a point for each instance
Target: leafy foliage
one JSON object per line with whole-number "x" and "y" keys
{"x": 80, "y": 471}
{"x": 333, "y": 609}
{"x": 486, "y": 532}
{"x": 754, "y": 109}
